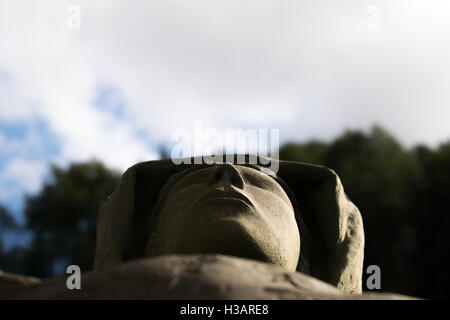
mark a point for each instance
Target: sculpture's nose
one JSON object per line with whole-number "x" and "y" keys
{"x": 226, "y": 174}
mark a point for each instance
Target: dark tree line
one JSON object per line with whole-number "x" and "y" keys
{"x": 402, "y": 195}
{"x": 62, "y": 221}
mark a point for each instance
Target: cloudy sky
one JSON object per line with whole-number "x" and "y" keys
{"x": 114, "y": 79}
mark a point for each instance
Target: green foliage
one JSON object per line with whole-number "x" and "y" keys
{"x": 63, "y": 215}
{"x": 311, "y": 152}
{"x": 6, "y": 220}
{"x": 381, "y": 178}
{"x": 9, "y": 259}
{"x": 402, "y": 197}
{"x": 432, "y": 221}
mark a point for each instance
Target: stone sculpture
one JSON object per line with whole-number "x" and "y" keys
{"x": 298, "y": 219}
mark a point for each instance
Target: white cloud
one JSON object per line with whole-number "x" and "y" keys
{"x": 307, "y": 68}
{"x": 20, "y": 176}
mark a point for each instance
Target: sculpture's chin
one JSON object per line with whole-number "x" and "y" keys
{"x": 229, "y": 236}
{"x": 235, "y": 230}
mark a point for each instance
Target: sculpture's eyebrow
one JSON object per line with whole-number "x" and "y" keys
{"x": 179, "y": 175}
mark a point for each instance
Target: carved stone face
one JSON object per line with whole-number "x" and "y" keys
{"x": 229, "y": 209}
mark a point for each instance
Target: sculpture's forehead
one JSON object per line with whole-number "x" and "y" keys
{"x": 251, "y": 174}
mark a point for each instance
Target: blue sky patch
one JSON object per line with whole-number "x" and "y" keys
{"x": 28, "y": 140}
{"x": 38, "y": 142}
{"x": 110, "y": 99}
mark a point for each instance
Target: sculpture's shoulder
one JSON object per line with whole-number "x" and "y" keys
{"x": 190, "y": 277}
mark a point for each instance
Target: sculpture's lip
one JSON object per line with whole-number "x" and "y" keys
{"x": 226, "y": 195}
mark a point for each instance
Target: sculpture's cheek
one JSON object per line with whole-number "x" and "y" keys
{"x": 277, "y": 228}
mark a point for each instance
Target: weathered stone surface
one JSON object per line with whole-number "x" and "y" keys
{"x": 184, "y": 277}
{"x": 329, "y": 224}
{"x": 12, "y": 284}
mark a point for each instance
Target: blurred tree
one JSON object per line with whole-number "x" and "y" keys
{"x": 10, "y": 259}
{"x": 311, "y": 152}
{"x": 7, "y": 221}
{"x": 382, "y": 179}
{"x": 62, "y": 218}
{"x": 432, "y": 221}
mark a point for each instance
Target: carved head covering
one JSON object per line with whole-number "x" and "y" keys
{"x": 330, "y": 225}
